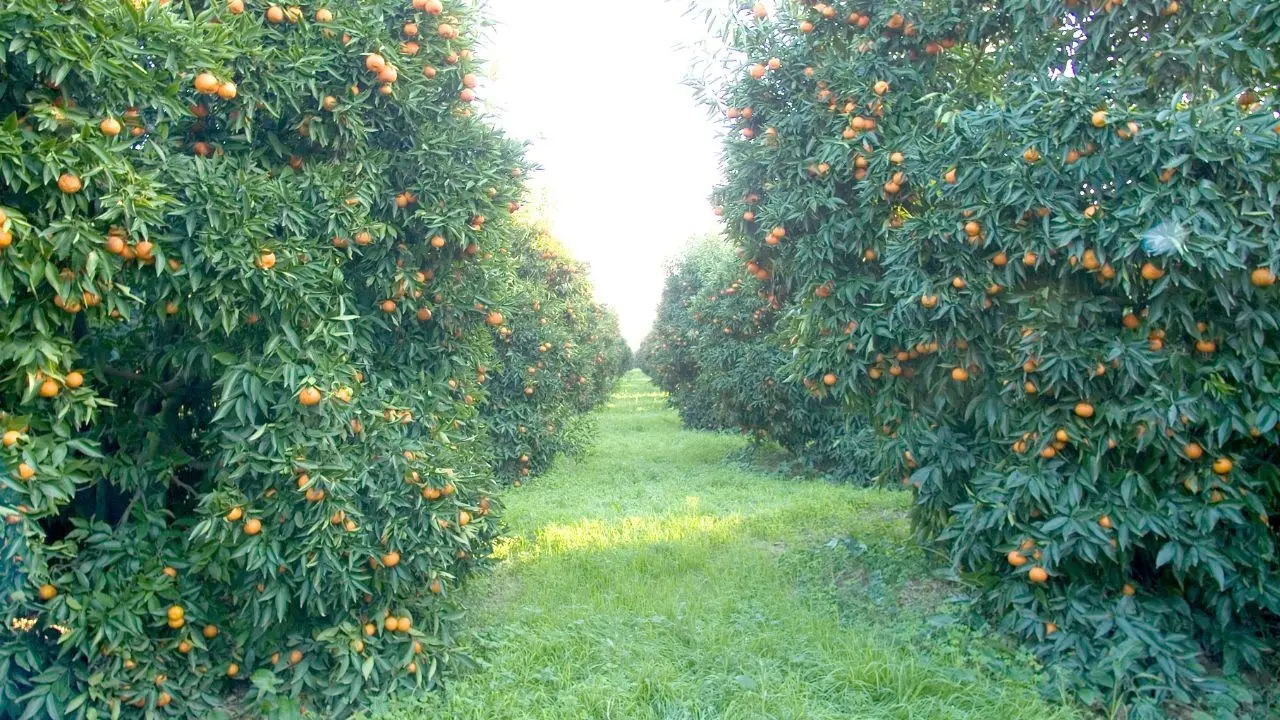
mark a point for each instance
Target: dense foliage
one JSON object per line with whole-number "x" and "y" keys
{"x": 1035, "y": 243}
{"x": 559, "y": 356}
{"x": 247, "y": 259}
{"x": 712, "y": 349}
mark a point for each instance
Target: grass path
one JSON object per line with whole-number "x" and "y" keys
{"x": 651, "y": 579}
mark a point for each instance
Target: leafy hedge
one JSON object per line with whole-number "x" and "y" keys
{"x": 713, "y": 350}
{"x": 559, "y": 356}
{"x": 1035, "y": 244}
{"x": 247, "y": 267}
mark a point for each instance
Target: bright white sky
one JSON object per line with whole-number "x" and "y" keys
{"x": 629, "y": 158}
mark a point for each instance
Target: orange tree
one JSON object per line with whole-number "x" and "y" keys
{"x": 559, "y": 355}
{"x": 717, "y": 322}
{"x": 243, "y": 269}
{"x": 1049, "y": 231}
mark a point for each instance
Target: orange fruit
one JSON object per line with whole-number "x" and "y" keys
{"x": 110, "y": 127}
{"x": 49, "y": 389}
{"x": 69, "y": 184}
{"x": 309, "y": 396}
{"x": 1151, "y": 272}
{"x": 11, "y": 438}
{"x": 210, "y": 631}
{"x": 1105, "y": 522}
{"x": 1098, "y": 119}
{"x": 1016, "y": 558}
{"x": 1050, "y": 628}
{"x": 206, "y": 83}
{"x": 829, "y": 379}
{"x": 1084, "y": 410}
{"x": 1223, "y": 465}
{"x": 1262, "y": 277}
{"x": 233, "y": 670}
{"x": 235, "y": 7}
{"x": 47, "y": 592}
{"x": 1193, "y": 450}
{"x": 234, "y": 514}
{"x": 252, "y": 526}
{"x": 959, "y": 374}
{"x": 175, "y": 612}
{"x": 1037, "y": 575}
{"x": 1129, "y": 590}
{"x": 295, "y": 657}
{"x": 391, "y": 559}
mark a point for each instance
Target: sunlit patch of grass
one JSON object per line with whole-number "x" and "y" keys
{"x": 650, "y": 579}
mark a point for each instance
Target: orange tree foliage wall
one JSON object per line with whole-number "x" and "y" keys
{"x": 246, "y": 265}
{"x": 713, "y": 349}
{"x": 1052, "y": 229}
{"x": 559, "y": 356}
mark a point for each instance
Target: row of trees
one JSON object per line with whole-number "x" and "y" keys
{"x": 714, "y": 350}
{"x": 263, "y": 291}
{"x": 1033, "y": 246}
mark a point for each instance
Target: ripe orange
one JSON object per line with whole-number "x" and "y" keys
{"x": 959, "y": 374}
{"x": 829, "y": 379}
{"x": 881, "y": 87}
{"x": 69, "y": 184}
{"x": 110, "y": 127}
{"x": 1151, "y": 272}
{"x": 1193, "y": 450}
{"x": 1084, "y": 410}
{"x": 1262, "y": 277}
{"x": 309, "y": 396}
{"x": 74, "y": 379}
{"x": 234, "y": 514}
{"x": 11, "y": 438}
{"x": 295, "y": 657}
{"x": 950, "y": 177}
{"x": 206, "y": 83}
{"x": 210, "y": 632}
{"x": 1016, "y": 558}
{"x": 49, "y": 389}
{"x": 175, "y": 612}
{"x": 235, "y": 7}
{"x": 1105, "y": 522}
{"x": 1099, "y": 119}
{"x": 1223, "y": 465}
{"x": 1037, "y": 575}
{"x": 47, "y": 592}
{"x": 252, "y": 526}
{"x": 1128, "y": 590}
{"x": 391, "y": 559}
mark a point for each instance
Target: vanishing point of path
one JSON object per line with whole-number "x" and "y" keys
{"x": 655, "y": 579}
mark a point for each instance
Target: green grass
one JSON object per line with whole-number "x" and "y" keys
{"x": 652, "y": 579}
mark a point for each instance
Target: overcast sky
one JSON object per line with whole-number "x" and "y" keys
{"x": 629, "y": 159}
